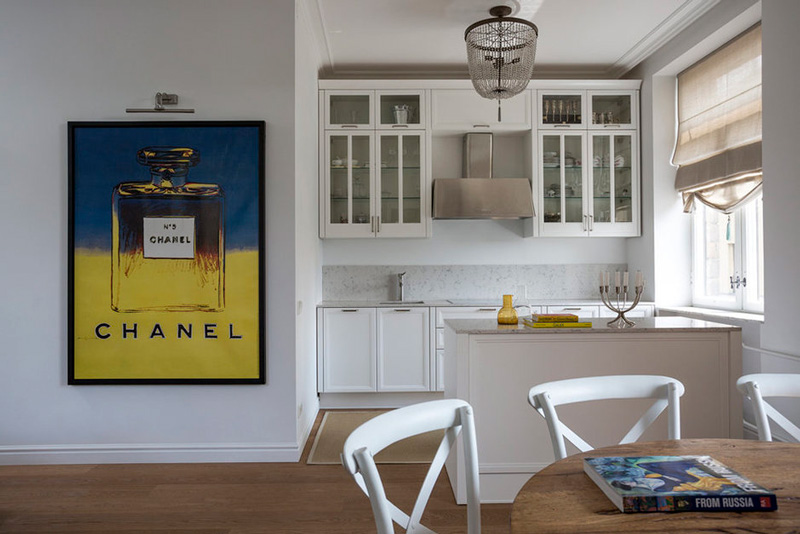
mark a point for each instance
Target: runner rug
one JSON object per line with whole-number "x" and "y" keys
{"x": 337, "y": 425}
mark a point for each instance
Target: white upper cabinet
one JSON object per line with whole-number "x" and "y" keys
{"x": 464, "y": 110}
{"x": 352, "y": 110}
{"x": 374, "y": 168}
{"x": 400, "y": 110}
{"x": 609, "y": 110}
{"x": 588, "y": 159}
{"x": 561, "y": 109}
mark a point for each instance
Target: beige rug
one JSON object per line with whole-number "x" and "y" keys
{"x": 337, "y": 425}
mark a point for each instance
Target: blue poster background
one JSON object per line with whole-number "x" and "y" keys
{"x": 105, "y": 156}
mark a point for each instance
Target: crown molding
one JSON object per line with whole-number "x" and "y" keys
{"x": 685, "y": 15}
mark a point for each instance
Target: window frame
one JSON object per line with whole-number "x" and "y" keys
{"x": 748, "y": 259}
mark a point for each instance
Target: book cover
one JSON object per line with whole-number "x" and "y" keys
{"x": 578, "y": 324}
{"x": 554, "y": 317}
{"x": 676, "y": 484}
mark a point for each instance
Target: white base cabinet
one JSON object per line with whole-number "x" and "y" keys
{"x": 374, "y": 350}
{"x": 401, "y": 350}
{"x": 347, "y": 350}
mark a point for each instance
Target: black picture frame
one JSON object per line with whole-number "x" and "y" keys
{"x": 167, "y": 256}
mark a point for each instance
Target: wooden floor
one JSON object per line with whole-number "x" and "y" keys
{"x": 229, "y": 498}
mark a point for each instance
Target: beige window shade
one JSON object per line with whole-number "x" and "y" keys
{"x": 718, "y": 147}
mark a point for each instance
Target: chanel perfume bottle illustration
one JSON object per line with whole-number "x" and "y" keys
{"x": 168, "y": 238}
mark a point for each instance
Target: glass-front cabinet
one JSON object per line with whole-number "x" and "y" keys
{"x": 561, "y": 109}
{"x": 400, "y": 110}
{"x": 614, "y": 184}
{"x": 589, "y": 184}
{"x": 562, "y": 184}
{"x": 401, "y": 185}
{"x": 375, "y": 197}
{"x": 612, "y": 109}
{"x": 349, "y": 110}
{"x": 349, "y": 184}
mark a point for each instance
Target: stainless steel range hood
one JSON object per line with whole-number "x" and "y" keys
{"x": 477, "y": 195}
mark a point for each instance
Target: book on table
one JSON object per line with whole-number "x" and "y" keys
{"x": 676, "y": 484}
{"x": 578, "y": 324}
{"x": 554, "y": 318}
{"x": 529, "y": 321}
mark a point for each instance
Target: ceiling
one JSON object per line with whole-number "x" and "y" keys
{"x": 425, "y": 38}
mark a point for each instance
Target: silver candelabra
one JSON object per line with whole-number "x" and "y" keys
{"x": 617, "y": 301}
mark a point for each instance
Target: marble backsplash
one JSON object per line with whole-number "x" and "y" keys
{"x": 434, "y": 282}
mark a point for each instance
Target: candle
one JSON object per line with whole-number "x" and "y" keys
{"x": 625, "y": 279}
{"x": 607, "y": 279}
{"x": 616, "y": 279}
{"x": 601, "y": 279}
{"x": 639, "y": 281}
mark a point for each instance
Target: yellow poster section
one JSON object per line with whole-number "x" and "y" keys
{"x": 232, "y": 354}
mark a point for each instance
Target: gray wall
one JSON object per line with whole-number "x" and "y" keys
{"x": 64, "y": 60}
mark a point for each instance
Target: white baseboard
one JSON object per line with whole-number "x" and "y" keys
{"x": 150, "y": 453}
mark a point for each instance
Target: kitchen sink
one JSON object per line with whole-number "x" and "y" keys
{"x": 401, "y": 302}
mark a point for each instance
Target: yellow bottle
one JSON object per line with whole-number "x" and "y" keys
{"x": 507, "y": 314}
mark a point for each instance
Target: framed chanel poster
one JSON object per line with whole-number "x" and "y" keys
{"x": 166, "y": 252}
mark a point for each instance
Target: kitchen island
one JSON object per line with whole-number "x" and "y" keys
{"x": 493, "y": 366}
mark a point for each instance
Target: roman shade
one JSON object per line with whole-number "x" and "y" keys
{"x": 718, "y": 145}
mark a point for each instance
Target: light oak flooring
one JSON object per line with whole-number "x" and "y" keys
{"x": 222, "y": 498}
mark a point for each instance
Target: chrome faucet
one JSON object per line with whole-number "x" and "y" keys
{"x": 400, "y": 285}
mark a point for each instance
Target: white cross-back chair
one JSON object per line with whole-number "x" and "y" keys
{"x": 759, "y": 385}
{"x": 451, "y": 415}
{"x": 666, "y": 392}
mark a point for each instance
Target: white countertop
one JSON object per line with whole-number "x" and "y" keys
{"x": 599, "y": 325}
{"x": 477, "y": 303}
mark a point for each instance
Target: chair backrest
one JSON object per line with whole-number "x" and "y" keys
{"x": 759, "y": 385}
{"x": 667, "y": 392}
{"x": 453, "y": 416}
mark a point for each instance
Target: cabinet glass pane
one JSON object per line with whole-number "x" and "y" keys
{"x": 611, "y": 109}
{"x": 339, "y": 181}
{"x": 390, "y": 182}
{"x": 573, "y": 184}
{"x": 551, "y": 177}
{"x": 561, "y": 109}
{"x": 349, "y": 109}
{"x": 399, "y": 109}
{"x": 623, "y": 186}
{"x": 601, "y": 177}
{"x": 411, "y": 179}
{"x": 359, "y": 164}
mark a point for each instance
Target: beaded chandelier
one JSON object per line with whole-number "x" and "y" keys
{"x": 500, "y": 54}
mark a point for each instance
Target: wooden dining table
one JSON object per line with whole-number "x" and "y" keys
{"x": 562, "y": 499}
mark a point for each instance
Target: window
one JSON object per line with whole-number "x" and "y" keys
{"x": 718, "y": 154}
{"x": 728, "y": 257}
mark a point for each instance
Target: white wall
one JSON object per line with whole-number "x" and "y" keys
{"x": 781, "y": 73}
{"x": 308, "y": 254}
{"x": 64, "y": 60}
